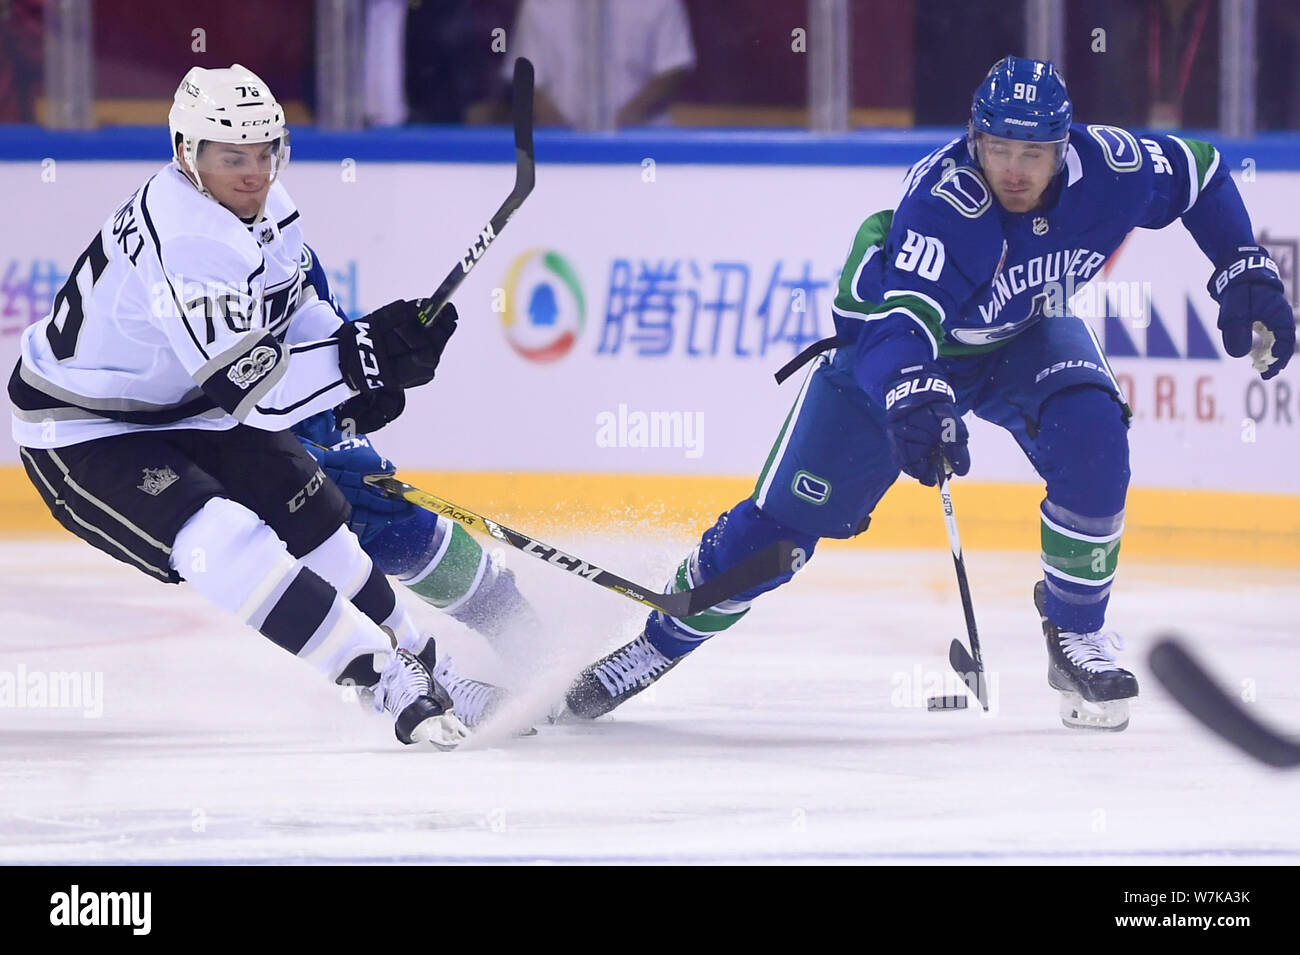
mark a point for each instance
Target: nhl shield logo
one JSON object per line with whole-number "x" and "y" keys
{"x": 157, "y": 480}
{"x": 1040, "y": 225}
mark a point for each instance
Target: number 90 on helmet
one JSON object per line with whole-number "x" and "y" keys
{"x": 1021, "y": 99}
{"x": 227, "y": 106}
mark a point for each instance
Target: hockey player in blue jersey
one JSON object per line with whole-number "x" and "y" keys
{"x": 433, "y": 557}
{"x": 957, "y": 301}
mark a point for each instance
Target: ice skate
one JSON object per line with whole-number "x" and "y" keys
{"x": 620, "y": 676}
{"x": 474, "y": 701}
{"x": 422, "y": 710}
{"x": 1095, "y": 689}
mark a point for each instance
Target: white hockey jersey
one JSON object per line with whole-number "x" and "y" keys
{"x": 179, "y": 315}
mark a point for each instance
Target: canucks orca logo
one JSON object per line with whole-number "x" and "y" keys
{"x": 545, "y": 310}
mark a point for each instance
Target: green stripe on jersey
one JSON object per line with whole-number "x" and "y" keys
{"x": 871, "y": 234}
{"x": 454, "y": 575}
{"x": 1204, "y": 154}
{"x": 1085, "y": 559}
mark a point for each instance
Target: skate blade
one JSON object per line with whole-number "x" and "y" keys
{"x": 519, "y": 731}
{"x": 1080, "y": 714}
{"x": 561, "y": 715}
{"x": 445, "y": 732}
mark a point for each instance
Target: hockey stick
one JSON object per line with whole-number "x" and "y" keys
{"x": 525, "y": 176}
{"x": 968, "y": 664}
{"x": 757, "y": 568}
{"x": 1189, "y": 683}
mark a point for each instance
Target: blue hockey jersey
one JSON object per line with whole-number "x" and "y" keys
{"x": 952, "y": 273}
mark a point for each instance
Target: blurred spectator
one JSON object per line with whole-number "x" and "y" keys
{"x": 956, "y": 43}
{"x": 1277, "y": 78}
{"x": 452, "y": 74}
{"x": 646, "y": 54}
{"x": 20, "y": 59}
{"x": 384, "y": 68}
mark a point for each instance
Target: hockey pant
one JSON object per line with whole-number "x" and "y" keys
{"x": 1050, "y": 387}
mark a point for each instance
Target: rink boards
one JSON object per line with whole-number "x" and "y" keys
{"x": 616, "y": 347}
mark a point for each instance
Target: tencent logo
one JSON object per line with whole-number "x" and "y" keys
{"x": 545, "y": 310}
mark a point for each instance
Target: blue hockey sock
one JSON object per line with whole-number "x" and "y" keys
{"x": 738, "y": 533}
{"x": 1082, "y": 452}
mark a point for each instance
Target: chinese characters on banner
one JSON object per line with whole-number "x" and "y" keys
{"x": 726, "y": 308}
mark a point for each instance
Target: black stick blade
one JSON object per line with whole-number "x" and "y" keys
{"x": 971, "y": 673}
{"x": 1194, "y": 689}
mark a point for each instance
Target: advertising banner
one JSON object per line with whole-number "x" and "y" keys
{"x": 631, "y": 317}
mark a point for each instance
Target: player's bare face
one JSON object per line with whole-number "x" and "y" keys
{"x": 238, "y": 174}
{"x": 1018, "y": 172}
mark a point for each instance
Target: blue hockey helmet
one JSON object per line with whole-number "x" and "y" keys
{"x": 1021, "y": 99}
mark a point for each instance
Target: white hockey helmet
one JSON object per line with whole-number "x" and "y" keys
{"x": 226, "y": 106}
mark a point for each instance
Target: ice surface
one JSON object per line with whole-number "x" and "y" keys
{"x": 781, "y": 741}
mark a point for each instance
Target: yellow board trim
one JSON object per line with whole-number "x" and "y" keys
{"x": 1200, "y": 526}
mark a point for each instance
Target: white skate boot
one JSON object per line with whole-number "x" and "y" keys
{"x": 421, "y": 709}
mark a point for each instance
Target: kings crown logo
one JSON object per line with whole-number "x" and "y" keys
{"x": 157, "y": 480}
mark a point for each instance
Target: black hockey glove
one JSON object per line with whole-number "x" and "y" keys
{"x": 1252, "y": 300}
{"x": 923, "y": 424}
{"x": 389, "y": 348}
{"x": 369, "y": 411}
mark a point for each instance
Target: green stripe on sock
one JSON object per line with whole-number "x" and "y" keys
{"x": 708, "y": 621}
{"x": 454, "y": 574}
{"x": 1087, "y": 560}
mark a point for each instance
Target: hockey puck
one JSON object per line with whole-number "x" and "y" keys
{"x": 936, "y": 703}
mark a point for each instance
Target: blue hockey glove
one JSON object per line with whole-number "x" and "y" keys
{"x": 318, "y": 429}
{"x": 1252, "y": 300}
{"x": 346, "y": 464}
{"x": 923, "y": 424}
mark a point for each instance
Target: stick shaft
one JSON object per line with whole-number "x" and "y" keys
{"x": 959, "y": 564}
{"x": 525, "y": 177}
{"x": 756, "y": 569}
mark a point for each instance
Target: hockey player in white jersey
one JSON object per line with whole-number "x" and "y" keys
{"x": 151, "y": 405}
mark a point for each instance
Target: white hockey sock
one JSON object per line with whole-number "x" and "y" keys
{"x": 341, "y": 561}
{"x": 236, "y": 561}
